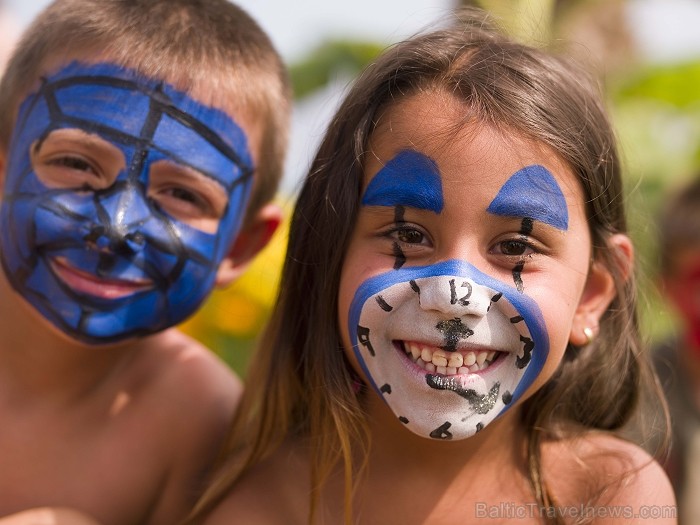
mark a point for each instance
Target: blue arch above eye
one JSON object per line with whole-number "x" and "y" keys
{"x": 409, "y": 179}
{"x": 532, "y": 192}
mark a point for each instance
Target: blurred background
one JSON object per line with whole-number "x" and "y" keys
{"x": 645, "y": 52}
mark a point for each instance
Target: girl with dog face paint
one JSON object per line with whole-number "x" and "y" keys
{"x": 465, "y": 271}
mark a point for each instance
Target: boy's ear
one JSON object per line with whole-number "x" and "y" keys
{"x": 600, "y": 290}
{"x": 251, "y": 239}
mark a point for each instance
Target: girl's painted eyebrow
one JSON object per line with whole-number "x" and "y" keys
{"x": 409, "y": 179}
{"x": 533, "y": 193}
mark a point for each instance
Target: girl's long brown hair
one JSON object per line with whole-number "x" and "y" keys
{"x": 300, "y": 383}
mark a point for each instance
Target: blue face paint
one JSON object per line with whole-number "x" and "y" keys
{"x": 449, "y": 307}
{"x": 118, "y": 234}
{"x": 410, "y": 179}
{"x": 532, "y": 192}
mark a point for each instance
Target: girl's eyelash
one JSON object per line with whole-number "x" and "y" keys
{"x": 396, "y": 229}
{"x": 521, "y": 240}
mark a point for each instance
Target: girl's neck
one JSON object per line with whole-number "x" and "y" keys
{"x": 412, "y": 479}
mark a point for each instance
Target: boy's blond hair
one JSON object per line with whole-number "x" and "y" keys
{"x": 198, "y": 46}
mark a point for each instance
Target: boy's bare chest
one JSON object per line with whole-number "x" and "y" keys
{"x": 101, "y": 463}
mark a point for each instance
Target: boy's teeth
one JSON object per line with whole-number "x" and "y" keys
{"x": 436, "y": 360}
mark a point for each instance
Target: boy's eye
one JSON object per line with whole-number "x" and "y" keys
{"x": 72, "y": 159}
{"x": 74, "y": 163}
{"x": 184, "y": 195}
{"x": 187, "y": 195}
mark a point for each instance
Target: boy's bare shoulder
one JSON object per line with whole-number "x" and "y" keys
{"x": 184, "y": 398}
{"x": 285, "y": 475}
{"x": 180, "y": 366}
{"x": 190, "y": 393}
{"x": 613, "y": 474}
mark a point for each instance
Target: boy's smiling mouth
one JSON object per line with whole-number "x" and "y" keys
{"x": 89, "y": 284}
{"x": 458, "y": 362}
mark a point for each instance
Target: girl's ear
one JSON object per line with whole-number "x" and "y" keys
{"x": 251, "y": 239}
{"x": 600, "y": 290}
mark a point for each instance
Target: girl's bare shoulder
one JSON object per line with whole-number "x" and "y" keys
{"x": 275, "y": 491}
{"x": 613, "y": 478}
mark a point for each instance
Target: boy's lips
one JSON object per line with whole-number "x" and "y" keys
{"x": 89, "y": 284}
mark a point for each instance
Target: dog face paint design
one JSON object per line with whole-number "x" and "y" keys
{"x": 448, "y": 347}
{"x": 105, "y": 260}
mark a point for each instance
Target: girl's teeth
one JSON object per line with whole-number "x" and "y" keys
{"x": 456, "y": 360}
{"x": 440, "y": 358}
{"x": 436, "y": 360}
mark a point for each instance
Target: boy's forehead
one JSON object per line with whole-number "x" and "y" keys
{"x": 127, "y": 108}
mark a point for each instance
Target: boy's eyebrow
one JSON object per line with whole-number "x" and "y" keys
{"x": 533, "y": 193}
{"x": 409, "y": 179}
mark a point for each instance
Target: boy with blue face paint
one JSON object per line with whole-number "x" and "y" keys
{"x": 139, "y": 159}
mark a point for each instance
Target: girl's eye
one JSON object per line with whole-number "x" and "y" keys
{"x": 514, "y": 248}
{"x": 410, "y": 236}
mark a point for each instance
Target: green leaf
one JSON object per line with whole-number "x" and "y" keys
{"x": 332, "y": 58}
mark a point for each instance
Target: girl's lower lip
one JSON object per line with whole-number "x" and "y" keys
{"x": 89, "y": 284}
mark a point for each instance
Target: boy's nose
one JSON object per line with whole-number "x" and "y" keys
{"x": 454, "y": 296}
{"x": 121, "y": 217}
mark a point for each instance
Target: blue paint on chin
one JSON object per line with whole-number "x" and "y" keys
{"x": 410, "y": 179}
{"x": 532, "y": 192}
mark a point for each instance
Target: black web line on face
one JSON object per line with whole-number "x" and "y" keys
{"x": 161, "y": 100}
{"x": 159, "y": 105}
{"x": 525, "y": 231}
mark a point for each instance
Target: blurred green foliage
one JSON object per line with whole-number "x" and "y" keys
{"x": 332, "y": 58}
{"x": 656, "y": 110}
